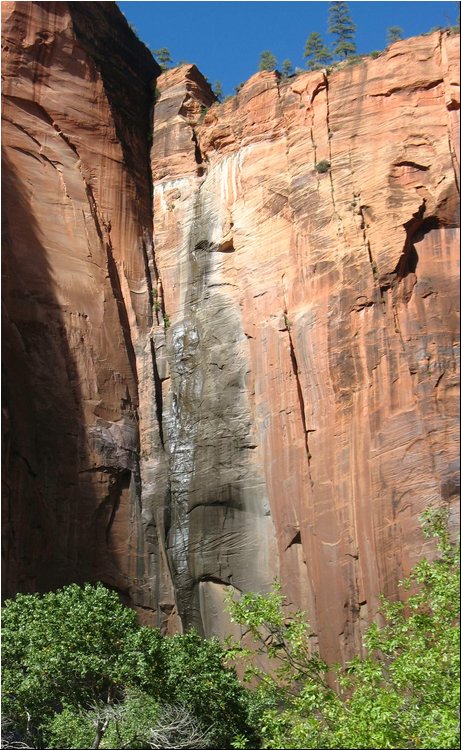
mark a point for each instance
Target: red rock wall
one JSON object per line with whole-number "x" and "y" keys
{"x": 270, "y": 390}
{"x": 77, "y": 234}
{"x": 330, "y": 300}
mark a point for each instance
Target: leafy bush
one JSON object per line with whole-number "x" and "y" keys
{"x": 322, "y": 166}
{"x": 70, "y": 654}
{"x": 404, "y": 694}
{"x": 137, "y": 721}
{"x": 79, "y": 672}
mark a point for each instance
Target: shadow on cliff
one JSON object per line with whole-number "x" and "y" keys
{"x": 45, "y": 506}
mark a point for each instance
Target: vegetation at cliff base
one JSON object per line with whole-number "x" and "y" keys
{"x": 404, "y": 694}
{"x": 79, "y": 672}
{"x": 78, "y": 669}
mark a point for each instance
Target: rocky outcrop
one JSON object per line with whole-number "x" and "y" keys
{"x": 77, "y": 257}
{"x": 306, "y": 236}
{"x": 234, "y": 357}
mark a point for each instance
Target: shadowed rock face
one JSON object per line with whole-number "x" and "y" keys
{"x": 77, "y": 234}
{"x": 258, "y": 376}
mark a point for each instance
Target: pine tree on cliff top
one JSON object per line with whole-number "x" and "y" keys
{"x": 267, "y": 61}
{"x": 317, "y": 51}
{"x": 394, "y": 34}
{"x": 341, "y": 26}
{"x": 287, "y": 68}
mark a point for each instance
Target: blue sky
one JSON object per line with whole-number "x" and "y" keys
{"x": 225, "y": 39}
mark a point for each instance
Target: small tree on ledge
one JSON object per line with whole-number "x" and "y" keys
{"x": 163, "y": 57}
{"x": 267, "y": 61}
{"x": 394, "y": 34}
{"x": 317, "y": 51}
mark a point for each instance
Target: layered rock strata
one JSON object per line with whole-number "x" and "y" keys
{"x": 269, "y": 388}
{"x": 77, "y": 253}
{"x": 306, "y": 236}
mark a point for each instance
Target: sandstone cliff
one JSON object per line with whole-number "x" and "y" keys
{"x": 270, "y": 388}
{"x": 77, "y": 250}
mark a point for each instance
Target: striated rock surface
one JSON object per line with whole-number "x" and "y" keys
{"x": 221, "y": 363}
{"x": 76, "y": 303}
{"x": 313, "y": 329}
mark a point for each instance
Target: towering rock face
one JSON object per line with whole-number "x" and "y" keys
{"x": 306, "y": 237}
{"x": 76, "y": 249}
{"x": 270, "y": 389}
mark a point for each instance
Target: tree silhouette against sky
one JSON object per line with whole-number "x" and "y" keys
{"x": 341, "y": 26}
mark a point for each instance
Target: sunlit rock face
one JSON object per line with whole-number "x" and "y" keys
{"x": 230, "y": 331}
{"x": 312, "y": 401}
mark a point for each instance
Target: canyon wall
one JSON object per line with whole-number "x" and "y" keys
{"x": 77, "y": 246}
{"x": 239, "y": 358}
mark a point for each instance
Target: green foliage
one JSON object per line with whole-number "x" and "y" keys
{"x": 166, "y": 321}
{"x": 354, "y": 60}
{"x": 156, "y": 91}
{"x": 218, "y": 90}
{"x": 316, "y": 52}
{"x": 69, "y": 644}
{"x": 156, "y": 305}
{"x": 322, "y": 166}
{"x": 203, "y": 111}
{"x": 341, "y": 26}
{"x": 136, "y": 721}
{"x": 79, "y": 672}
{"x": 267, "y": 61}
{"x": 403, "y": 694}
{"x": 287, "y": 68}
{"x": 70, "y": 654}
{"x": 376, "y": 53}
{"x": 295, "y": 682}
{"x": 195, "y": 671}
{"x": 394, "y": 33}
{"x": 163, "y": 57}
{"x": 71, "y": 727}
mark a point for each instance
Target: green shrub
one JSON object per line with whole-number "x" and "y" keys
{"x": 76, "y": 657}
{"x": 403, "y": 694}
{"x": 203, "y": 111}
{"x": 354, "y": 60}
{"x": 322, "y": 166}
